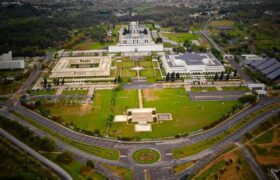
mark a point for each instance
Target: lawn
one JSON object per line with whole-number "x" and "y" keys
{"x": 86, "y": 116}
{"x": 89, "y": 45}
{"x": 43, "y": 92}
{"x": 126, "y": 174}
{"x": 204, "y": 89}
{"x": 238, "y": 88}
{"x": 125, "y": 99}
{"x": 146, "y": 156}
{"x": 74, "y": 92}
{"x": 148, "y": 71}
{"x": 180, "y": 37}
{"x": 187, "y": 116}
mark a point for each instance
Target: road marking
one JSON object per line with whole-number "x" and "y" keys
{"x": 123, "y": 156}
{"x": 168, "y": 154}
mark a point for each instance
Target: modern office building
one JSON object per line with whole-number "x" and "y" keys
{"x": 7, "y": 62}
{"x": 192, "y": 64}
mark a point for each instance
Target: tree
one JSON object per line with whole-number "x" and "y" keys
{"x": 37, "y": 104}
{"x": 159, "y": 40}
{"x": 248, "y": 99}
{"x": 62, "y": 82}
{"x": 227, "y": 77}
{"x": 48, "y": 144}
{"x": 65, "y": 157}
{"x": 177, "y": 76}
{"x": 90, "y": 164}
{"x": 45, "y": 83}
{"x": 235, "y": 73}
{"x": 172, "y": 76}
{"x": 167, "y": 78}
{"x": 222, "y": 76}
{"x": 187, "y": 44}
{"x": 216, "y": 77}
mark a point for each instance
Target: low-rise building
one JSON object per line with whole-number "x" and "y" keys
{"x": 7, "y": 62}
{"x": 82, "y": 67}
{"x": 192, "y": 64}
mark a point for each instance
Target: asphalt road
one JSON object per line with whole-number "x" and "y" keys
{"x": 55, "y": 168}
{"x": 252, "y": 162}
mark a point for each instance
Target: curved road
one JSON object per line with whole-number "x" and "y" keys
{"x": 57, "y": 169}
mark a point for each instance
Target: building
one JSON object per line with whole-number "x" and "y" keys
{"x": 248, "y": 57}
{"x": 7, "y": 62}
{"x": 259, "y": 89}
{"x": 269, "y": 67}
{"x": 192, "y": 64}
{"x": 82, "y": 67}
{"x": 135, "y": 34}
{"x": 135, "y": 38}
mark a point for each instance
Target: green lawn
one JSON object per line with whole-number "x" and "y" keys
{"x": 74, "y": 92}
{"x": 148, "y": 71}
{"x": 187, "y": 116}
{"x": 43, "y": 92}
{"x": 241, "y": 88}
{"x": 86, "y": 116}
{"x": 180, "y": 37}
{"x": 146, "y": 156}
{"x": 200, "y": 89}
{"x": 125, "y": 99}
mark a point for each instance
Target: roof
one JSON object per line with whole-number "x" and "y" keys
{"x": 275, "y": 74}
{"x": 268, "y": 63}
{"x": 192, "y": 59}
{"x": 270, "y": 69}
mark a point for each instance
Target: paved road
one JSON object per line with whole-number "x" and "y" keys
{"x": 241, "y": 72}
{"x": 58, "y": 170}
{"x": 251, "y": 161}
{"x": 221, "y": 146}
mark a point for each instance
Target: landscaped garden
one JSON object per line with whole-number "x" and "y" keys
{"x": 180, "y": 37}
{"x": 146, "y": 156}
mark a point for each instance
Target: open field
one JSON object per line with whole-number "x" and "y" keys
{"x": 180, "y": 37}
{"x": 241, "y": 88}
{"x": 89, "y": 45}
{"x": 11, "y": 87}
{"x": 229, "y": 165}
{"x": 148, "y": 71}
{"x": 85, "y": 116}
{"x": 187, "y": 116}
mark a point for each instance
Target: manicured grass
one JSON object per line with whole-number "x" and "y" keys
{"x": 148, "y": 71}
{"x": 182, "y": 167}
{"x": 187, "y": 116}
{"x": 265, "y": 138}
{"x": 86, "y": 116}
{"x": 74, "y": 92}
{"x": 43, "y": 92}
{"x": 241, "y": 88}
{"x": 146, "y": 156}
{"x": 125, "y": 99}
{"x": 206, "y": 89}
{"x": 180, "y": 37}
{"x": 89, "y": 45}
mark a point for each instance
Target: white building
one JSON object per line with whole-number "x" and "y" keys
{"x": 7, "y": 62}
{"x": 135, "y": 38}
{"x": 192, "y": 64}
{"x": 251, "y": 57}
{"x": 82, "y": 67}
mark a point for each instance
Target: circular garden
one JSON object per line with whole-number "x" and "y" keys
{"x": 146, "y": 156}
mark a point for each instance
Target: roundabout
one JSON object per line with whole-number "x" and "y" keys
{"x": 146, "y": 156}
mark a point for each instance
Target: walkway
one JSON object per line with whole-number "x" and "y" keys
{"x": 251, "y": 161}
{"x": 140, "y": 99}
{"x": 63, "y": 174}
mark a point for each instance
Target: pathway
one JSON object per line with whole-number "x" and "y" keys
{"x": 251, "y": 161}
{"x": 59, "y": 91}
{"x": 140, "y": 100}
